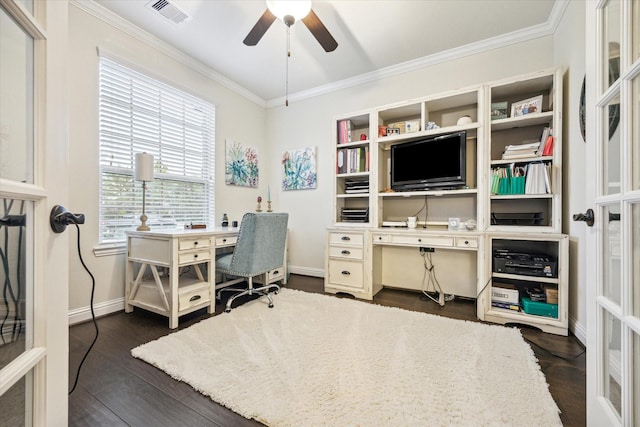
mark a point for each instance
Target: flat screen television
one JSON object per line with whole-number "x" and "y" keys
{"x": 436, "y": 162}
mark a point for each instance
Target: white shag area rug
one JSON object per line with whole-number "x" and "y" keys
{"x": 318, "y": 360}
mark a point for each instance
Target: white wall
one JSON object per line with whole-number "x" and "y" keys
{"x": 236, "y": 118}
{"x": 308, "y": 123}
{"x": 569, "y": 53}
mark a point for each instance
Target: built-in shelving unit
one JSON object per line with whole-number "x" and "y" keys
{"x": 518, "y": 216}
{"x": 535, "y": 208}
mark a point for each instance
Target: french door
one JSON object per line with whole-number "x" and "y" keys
{"x": 613, "y": 175}
{"x": 33, "y": 261}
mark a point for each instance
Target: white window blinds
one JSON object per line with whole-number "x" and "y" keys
{"x": 140, "y": 114}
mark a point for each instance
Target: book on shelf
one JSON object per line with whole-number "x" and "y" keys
{"x": 546, "y": 142}
{"x": 534, "y": 178}
{"x": 345, "y": 128}
{"x": 507, "y": 305}
{"x": 521, "y": 151}
{"x": 352, "y": 160}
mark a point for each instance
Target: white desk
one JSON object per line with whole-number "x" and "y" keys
{"x": 362, "y": 261}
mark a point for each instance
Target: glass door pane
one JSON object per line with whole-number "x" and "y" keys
{"x": 16, "y": 403}
{"x": 612, "y": 148}
{"x": 612, "y": 359}
{"x": 635, "y": 131}
{"x": 612, "y": 26}
{"x": 635, "y": 39}
{"x": 635, "y": 259}
{"x": 611, "y": 246}
{"x": 635, "y": 378}
{"x": 16, "y": 101}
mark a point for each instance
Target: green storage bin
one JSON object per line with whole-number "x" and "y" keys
{"x": 539, "y": 308}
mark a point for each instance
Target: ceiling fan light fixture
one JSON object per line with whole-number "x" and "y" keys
{"x": 298, "y": 9}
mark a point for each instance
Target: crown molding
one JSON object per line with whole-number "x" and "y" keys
{"x": 531, "y": 33}
{"x": 105, "y": 15}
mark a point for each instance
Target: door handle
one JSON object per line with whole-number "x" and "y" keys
{"x": 586, "y": 217}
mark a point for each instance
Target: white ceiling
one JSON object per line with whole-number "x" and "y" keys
{"x": 373, "y": 37}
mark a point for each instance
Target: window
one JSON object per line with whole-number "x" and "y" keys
{"x": 140, "y": 114}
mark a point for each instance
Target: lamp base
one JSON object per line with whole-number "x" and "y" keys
{"x": 143, "y": 226}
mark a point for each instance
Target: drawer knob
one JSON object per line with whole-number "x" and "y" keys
{"x": 419, "y": 240}
{"x": 346, "y": 252}
{"x": 195, "y": 298}
{"x": 346, "y": 238}
{"x": 466, "y": 242}
{"x": 276, "y": 272}
{"x": 224, "y": 240}
{"x": 379, "y": 237}
{"x": 195, "y": 243}
{"x": 346, "y": 273}
{"x": 195, "y": 256}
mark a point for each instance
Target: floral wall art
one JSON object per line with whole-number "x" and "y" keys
{"x": 240, "y": 165}
{"x": 299, "y": 169}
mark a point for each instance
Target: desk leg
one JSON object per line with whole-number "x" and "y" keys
{"x": 173, "y": 287}
{"x": 211, "y": 279}
{"x": 128, "y": 278}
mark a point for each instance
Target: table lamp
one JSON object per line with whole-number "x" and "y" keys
{"x": 144, "y": 173}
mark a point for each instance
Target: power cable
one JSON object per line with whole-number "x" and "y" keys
{"x": 93, "y": 314}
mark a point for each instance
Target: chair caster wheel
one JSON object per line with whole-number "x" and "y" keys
{"x": 270, "y": 305}
{"x": 227, "y": 310}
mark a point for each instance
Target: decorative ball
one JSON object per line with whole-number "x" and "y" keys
{"x": 259, "y": 199}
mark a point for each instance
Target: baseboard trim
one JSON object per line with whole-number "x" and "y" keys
{"x": 578, "y": 330}
{"x": 306, "y": 271}
{"x": 83, "y": 314}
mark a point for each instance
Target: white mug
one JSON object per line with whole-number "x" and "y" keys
{"x": 412, "y": 221}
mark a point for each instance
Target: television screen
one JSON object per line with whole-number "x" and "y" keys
{"x": 434, "y": 162}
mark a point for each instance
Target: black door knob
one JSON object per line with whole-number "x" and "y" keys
{"x": 586, "y": 217}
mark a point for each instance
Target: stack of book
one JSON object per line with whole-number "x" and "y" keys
{"x": 543, "y": 147}
{"x": 521, "y": 151}
{"x": 344, "y": 131}
{"x": 356, "y": 186}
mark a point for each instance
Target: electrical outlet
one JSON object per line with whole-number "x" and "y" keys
{"x": 424, "y": 250}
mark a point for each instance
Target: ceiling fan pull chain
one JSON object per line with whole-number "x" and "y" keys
{"x": 286, "y": 102}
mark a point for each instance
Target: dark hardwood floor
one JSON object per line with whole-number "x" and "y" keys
{"x": 114, "y": 389}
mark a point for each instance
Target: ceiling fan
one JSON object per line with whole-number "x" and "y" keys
{"x": 291, "y": 11}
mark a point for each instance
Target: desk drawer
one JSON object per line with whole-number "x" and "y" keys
{"x": 345, "y": 252}
{"x": 381, "y": 238}
{"x": 192, "y": 257}
{"x": 187, "y": 243}
{"x": 156, "y": 250}
{"x": 226, "y": 241}
{"x": 346, "y": 273}
{"x": 193, "y": 297}
{"x": 336, "y": 238}
{"x": 440, "y": 242}
{"x": 466, "y": 242}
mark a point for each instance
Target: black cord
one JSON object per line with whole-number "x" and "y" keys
{"x": 93, "y": 314}
{"x": 475, "y": 308}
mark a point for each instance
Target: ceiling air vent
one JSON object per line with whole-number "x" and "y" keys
{"x": 169, "y": 11}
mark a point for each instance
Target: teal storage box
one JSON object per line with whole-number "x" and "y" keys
{"x": 539, "y": 308}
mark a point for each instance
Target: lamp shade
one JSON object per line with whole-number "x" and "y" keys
{"x": 296, "y": 8}
{"x": 144, "y": 167}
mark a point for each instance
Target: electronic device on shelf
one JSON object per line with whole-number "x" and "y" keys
{"x": 526, "y": 264}
{"x": 394, "y": 223}
{"x": 430, "y": 163}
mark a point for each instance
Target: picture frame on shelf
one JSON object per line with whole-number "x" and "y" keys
{"x": 527, "y": 106}
{"x": 499, "y": 110}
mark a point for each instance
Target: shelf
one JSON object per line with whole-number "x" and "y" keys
{"x": 462, "y": 192}
{"x": 523, "y": 160}
{"x": 533, "y": 119}
{"x": 352, "y": 174}
{"x": 522, "y": 317}
{"x": 352, "y": 196}
{"x": 385, "y": 142}
{"x": 521, "y": 196}
{"x": 358, "y": 143}
{"x": 551, "y": 280}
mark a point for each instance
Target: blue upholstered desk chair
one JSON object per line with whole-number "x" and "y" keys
{"x": 259, "y": 249}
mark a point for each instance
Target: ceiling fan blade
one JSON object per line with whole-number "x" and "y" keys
{"x": 260, "y": 28}
{"x": 320, "y": 32}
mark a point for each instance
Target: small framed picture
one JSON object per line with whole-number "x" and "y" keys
{"x": 527, "y": 106}
{"x": 499, "y": 110}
